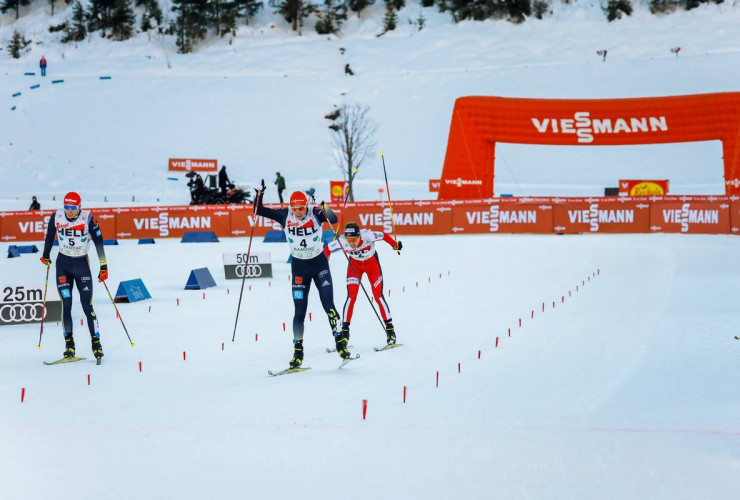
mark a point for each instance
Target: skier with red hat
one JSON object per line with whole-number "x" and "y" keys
{"x": 302, "y": 226}
{"x": 74, "y": 228}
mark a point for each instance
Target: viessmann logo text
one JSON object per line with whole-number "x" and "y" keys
{"x": 586, "y": 127}
{"x": 495, "y": 217}
{"x": 460, "y": 182}
{"x": 165, "y": 222}
{"x": 593, "y": 216}
{"x": 685, "y": 216}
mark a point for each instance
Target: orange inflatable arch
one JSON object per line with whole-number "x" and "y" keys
{"x": 478, "y": 123}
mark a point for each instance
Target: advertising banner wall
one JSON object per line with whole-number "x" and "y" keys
{"x": 537, "y": 215}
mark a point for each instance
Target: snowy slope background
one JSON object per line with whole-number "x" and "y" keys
{"x": 626, "y": 388}
{"x": 258, "y": 104}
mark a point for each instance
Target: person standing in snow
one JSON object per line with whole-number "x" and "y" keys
{"x": 35, "y": 205}
{"x": 280, "y": 183}
{"x": 302, "y": 226}
{"x": 359, "y": 244}
{"x": 74, "y": 228}
{"x": 223, "y": 180}
{"x": 42, "y": 65}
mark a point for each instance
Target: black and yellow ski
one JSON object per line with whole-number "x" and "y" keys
{"x": 63, "y": 360}
{"x": 288, "y": 370}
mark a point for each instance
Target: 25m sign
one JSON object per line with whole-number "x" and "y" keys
{"x": 24, "y": 304}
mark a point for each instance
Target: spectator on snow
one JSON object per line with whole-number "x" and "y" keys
{"x": 35, "y": 205}
{"x": 223, "y": 180}
{"x": 280, "y": 182}
{"x": 42, "y": 65}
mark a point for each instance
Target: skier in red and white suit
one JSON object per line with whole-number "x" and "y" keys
{"x": 359, "y": 244}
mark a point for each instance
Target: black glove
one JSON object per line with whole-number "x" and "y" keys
{"x": 261, "y": 190}
{"x": 324, "y": 206}
{"x": 398, "y": 246}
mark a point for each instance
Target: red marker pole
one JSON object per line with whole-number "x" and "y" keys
{"x": 283, "y": 325}
{"x": 183, "y": 355}
{"x": 478, "y": 353}
{"x": 496, "y": 341}
{"x": 88, "y": 379}
{"x": 178, "y": 302}
{"x": 520, "y": 322}
{"x": 437, "y": 378}
{"x": 222, "y": 346}
{"x": 255, "y": 337}
{"x": 139, "y": 366}
{"x": 150, "y": 308}
{"x": 404, "y": 394}
{"x": 204, "y": 295}
{"x": 23, "y": 393}
{"x": 309, "y": 317}
{"x": 364, "y": 408}
{"x": 509, "y": 332}
{"x": 458, "y": 368}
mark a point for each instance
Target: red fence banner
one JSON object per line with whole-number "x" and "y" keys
{"x": 168, "y": 222}
{"x": 189, "y": 164}
{"x": 434, "y": 185}
{"x": 602, "y": 217}
{"x": 709, "y": 217}
{"x": 503, "y": 218}
{"x": 643, "y": 188}
{"x": 537, "y": 215}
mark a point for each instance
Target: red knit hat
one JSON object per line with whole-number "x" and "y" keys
{"x": 72, "y": 198}
{"x": 298, "y": 200}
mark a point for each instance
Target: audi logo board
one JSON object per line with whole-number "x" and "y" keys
{"x": 20, "y": 304}
{"x": 259, "y": 265}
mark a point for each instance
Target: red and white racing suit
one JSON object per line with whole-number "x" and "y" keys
{"x": 364, "y": 260}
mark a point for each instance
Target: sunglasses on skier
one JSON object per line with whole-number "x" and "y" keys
{"x": 71, "y": 207}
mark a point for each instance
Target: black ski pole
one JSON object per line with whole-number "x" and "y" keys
{"x": 118, "y": 313}
{"x": 246, "y": 262}
{"x": 43, "y": 306}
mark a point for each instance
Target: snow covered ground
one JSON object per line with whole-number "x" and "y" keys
{"x": 627, "y": 388}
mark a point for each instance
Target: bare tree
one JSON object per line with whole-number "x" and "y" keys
{"x": 352, "y": 140}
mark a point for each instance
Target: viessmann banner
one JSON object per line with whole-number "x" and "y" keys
{"x": 539, "y": 215}
{"x": 479, "y": 122}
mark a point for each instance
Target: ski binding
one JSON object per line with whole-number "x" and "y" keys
{"x": 347, "y": 360}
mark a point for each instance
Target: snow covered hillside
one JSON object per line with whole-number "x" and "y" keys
{"x": 258, "y": 104}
